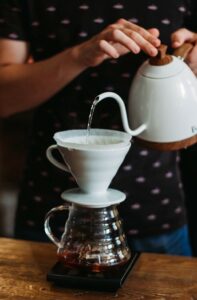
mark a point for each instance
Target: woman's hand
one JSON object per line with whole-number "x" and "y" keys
{"x": 116, "y": 40}
{"x": 184, "y": 35}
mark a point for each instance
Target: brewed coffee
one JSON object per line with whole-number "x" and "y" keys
{"x": 93, "y": 239}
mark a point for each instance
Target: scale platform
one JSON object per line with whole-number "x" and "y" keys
{"x": 81, "y": 279}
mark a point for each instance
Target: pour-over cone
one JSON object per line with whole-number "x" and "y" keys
{"x": 92, "y": 160}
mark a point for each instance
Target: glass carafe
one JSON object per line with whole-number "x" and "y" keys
{"x": 93, "y": 238}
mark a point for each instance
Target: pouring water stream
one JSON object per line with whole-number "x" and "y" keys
{"x": 123, "y": 113}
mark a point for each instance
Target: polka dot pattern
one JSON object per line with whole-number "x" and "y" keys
{"x": 150, "y": 179}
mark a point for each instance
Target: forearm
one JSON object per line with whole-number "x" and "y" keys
{"x": 25, "y": 86}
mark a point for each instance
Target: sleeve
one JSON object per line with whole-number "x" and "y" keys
{"x": 13, "y": 20}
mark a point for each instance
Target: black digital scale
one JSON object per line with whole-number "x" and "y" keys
{"x": 100, "y": 281}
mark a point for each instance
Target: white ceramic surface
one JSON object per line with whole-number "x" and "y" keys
{"x": 110, "y": 197}
{"x": 97, "y": 139}
{"x": 165, "y": 99}
{"x": 92, "y": 167}
{"x": 172, "y": 69}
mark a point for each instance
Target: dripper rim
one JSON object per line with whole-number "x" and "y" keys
{"x": 126, "y": 139}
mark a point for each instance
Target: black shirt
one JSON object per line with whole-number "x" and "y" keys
{"x": 150, "y": 179}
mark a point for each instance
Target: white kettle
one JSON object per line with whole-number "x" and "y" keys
{"x": 162, "y": 104}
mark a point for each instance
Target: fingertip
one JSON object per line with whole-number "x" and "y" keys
{"x": 176, "y": 44}
{"x": 157, "y": 43}
{"x": 153, "y": 52}
{"x": 154, "y": 31}
{"x": 116, "y": 55}
{"x": 136, "y": 50}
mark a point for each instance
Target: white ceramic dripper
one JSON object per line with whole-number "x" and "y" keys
{"x": 93, "y": 161}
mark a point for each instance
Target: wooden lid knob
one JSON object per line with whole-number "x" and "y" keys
{"x": 162, "y": 58}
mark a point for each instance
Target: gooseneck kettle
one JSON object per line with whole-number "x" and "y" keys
{"x": 162, "y": 104}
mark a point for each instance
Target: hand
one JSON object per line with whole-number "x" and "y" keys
{"x": 184, "y": 35}
{"x": 116, "y": 40}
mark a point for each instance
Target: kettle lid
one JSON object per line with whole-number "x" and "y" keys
{"x": 162, "y": 71}
{"x": 161, "y": 66}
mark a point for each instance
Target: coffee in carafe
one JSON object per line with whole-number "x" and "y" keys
{"x": 93, "y": 239}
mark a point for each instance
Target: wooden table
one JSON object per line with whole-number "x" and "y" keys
{"x": 24, "y": 265}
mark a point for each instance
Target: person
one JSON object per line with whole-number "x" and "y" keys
{"x": 78, "y": 50}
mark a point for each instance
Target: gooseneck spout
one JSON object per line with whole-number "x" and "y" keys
{"x": 123, "y": 112}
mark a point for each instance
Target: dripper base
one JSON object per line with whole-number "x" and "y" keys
{"x": 97, "y": 200}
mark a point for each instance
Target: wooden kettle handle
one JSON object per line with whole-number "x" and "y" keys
{"x": 163, "y": 58}
{"x": 183, "y": 50}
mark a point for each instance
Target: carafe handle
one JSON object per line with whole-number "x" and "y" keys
{"x": 54, "y": 161}
{"x": 47, "y": 227}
